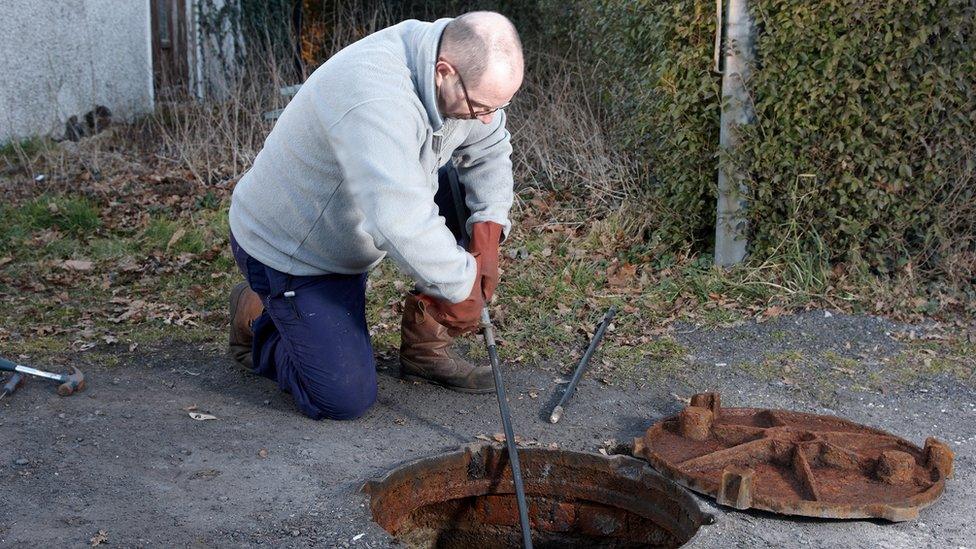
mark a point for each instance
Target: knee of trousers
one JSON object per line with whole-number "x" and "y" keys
{"x": 346, "y": 397}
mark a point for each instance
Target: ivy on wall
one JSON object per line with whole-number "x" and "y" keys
{"x": 865, "y": 142}
{"x": 866, "y": 129}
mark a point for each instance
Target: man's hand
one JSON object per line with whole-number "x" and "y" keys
{"x": 464, "y": 317}
{"x": 458, "y": 318}
{"x": 485, "y": 237}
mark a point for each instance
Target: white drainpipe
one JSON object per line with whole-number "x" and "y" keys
{"x": 737, "y": 109}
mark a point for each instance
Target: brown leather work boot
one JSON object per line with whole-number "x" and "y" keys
{"x": 245, "y": 306}
{"x": 426, "y": 354}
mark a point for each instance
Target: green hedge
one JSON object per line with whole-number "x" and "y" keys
{"x": 866, "y": 115}
{"x": 866, "y": 133}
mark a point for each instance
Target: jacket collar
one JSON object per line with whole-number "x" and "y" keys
{"x": 422, "y": 55}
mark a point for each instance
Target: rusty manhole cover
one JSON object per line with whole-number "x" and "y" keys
{"x": 795, "y": 463}
{"x": 466, "y": 499}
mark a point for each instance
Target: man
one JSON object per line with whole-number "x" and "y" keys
{"x": 395, "y": 146}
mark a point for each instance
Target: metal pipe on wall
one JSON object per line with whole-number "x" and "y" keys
{"x": 737, "y": 110}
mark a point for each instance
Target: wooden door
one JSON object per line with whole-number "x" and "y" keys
{"x": 171, "y": 73}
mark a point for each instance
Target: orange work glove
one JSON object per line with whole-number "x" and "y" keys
{"x": 458, "y": 318}
{"x": 463, "y": 317}
{"x": 485, "y": 237}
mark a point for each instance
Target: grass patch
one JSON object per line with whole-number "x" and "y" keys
{"x": 774, "y": 365}
{"x": 71, "y": 214}
{"x": 35, "y": 348}
{"x": 652, "y": 361}
{"x": 387, "y": 289}
{"x": 955, "y": 358}
{"x": 165, "y": 235}
{"x": 15, "y": 152}
{"x": 110, "y": 248}
{"x": 840, "y": 363}
{"x": 64, "y": 248}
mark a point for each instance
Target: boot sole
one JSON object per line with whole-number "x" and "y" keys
{"x": 410, "y": 377}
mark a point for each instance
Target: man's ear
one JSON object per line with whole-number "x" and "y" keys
{"x": 443, "y": 68}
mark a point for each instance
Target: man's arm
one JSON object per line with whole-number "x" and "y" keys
{"x": 377, "y": 144}
{"x": 485, "y": 169}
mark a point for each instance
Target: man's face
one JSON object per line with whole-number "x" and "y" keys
{"x": 457, "y": 99}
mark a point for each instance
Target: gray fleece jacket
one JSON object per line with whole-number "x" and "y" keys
{"x": 348, "y": 174}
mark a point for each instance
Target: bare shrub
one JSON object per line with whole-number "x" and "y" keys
{"x": 558, "y": 135}
{"x": 556, "y": 126}
{"x": 557, "y": 123}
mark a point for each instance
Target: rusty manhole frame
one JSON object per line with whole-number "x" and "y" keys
{"x": 736, "y": 456}
{"x": 481, "y": 470}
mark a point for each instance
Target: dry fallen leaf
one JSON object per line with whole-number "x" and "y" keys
{"x": 623, "y": 276}
{"x": 175, "y": 238}
{"x": 99, "y": 538}
{"x": 201, "y": 417}
{"x": 76, "y": 265}
{"x": 263, "y": 453}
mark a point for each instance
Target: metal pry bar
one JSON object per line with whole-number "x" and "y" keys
{"x": 507, "y": 426}
{"x": 557, "y": 412}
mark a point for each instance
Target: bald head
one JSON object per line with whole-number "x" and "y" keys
{"x": 484, "y": 45}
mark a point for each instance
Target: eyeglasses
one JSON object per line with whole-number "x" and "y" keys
{"x": 467, "y": 100}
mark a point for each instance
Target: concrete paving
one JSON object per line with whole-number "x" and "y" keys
{"x": 125, "y": 462}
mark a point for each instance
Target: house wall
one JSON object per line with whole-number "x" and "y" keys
{"x": 61, "y": 57}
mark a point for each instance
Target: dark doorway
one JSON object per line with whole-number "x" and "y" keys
{"x": 171, "y": 73}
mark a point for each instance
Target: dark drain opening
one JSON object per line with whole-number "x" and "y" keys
{"x": 466, "y": 499}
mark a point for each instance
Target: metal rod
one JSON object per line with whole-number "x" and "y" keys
{"x": 507, "y": 427}
{"x": 557, "y": 412}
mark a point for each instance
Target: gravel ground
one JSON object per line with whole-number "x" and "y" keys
{"x": 123, "y": 461}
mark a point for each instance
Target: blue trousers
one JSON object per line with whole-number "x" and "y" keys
{"x": 312, "y": 337}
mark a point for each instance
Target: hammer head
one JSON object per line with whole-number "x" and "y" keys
{"x": 73, "y": 383}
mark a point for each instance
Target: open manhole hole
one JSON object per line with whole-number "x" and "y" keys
{"x": 467, "y": 499}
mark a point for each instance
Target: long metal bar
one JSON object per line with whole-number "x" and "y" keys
{"x": 507, "y": 427}
{"x": 557, "y": 412}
